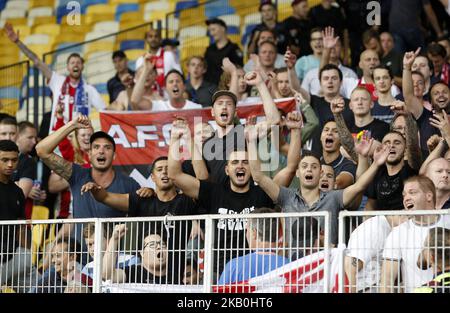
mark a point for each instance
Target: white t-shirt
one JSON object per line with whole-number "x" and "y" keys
{"x": 405, "y": 243}
{"x": 55, "y": 84}
{"x": 164, "y": 105}
{"x": 348, "y": 84}
{"x": 170, "y": 61}
{"x": 311, "y": 82}
{"x": 366, "y": 244}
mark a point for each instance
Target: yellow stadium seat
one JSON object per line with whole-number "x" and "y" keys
{"x": 155, "y": 15}
{"x": 131, "y": 17}
{"x": 312, "y": 3}
{"x": 41, "y": 3}
{"x": 39, "y": 50}
{"x": 71, "y": 37}
{"x": 192, "y": 16}
{"x": 125, "y": 1}
{"x": 75, "y": 29}
{"x": 101, "y": 9}
{"x": 136, "y": 34}
{"x": 23, "y": 30}
{"x": 9, "y": 106}
{"x": 95, "y": 18}
{"x": 135, "y": 54}
{"x": 98, "y": 46}
{"x": 48, "y": 29}
{"x": 18, "y": 21}
{"x": 39, "y": 20}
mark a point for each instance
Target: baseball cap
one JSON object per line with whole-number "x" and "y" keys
{"x": 102, "y": 134}
{"x": 216, "y": 21}
{"x": 220, "y": 93}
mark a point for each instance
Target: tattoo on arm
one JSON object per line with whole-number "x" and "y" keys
{"x": 354, "y": 262}
{"x": 412, "y": 143}
{"x": 60, "y": 166}
{"x": 346, "y": 137}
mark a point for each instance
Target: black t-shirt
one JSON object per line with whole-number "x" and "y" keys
{"x": 115, "y": 86}
{"x": 332, "y": 17}
{"x": 12, "y": 207}
{"x": 202, "y": 95}
{"x": 139, "y": 275}
{"x": 342, "y": 164}
{"x": 297, "y": 34}
{"x": 323, "y": 112}
{"x": 230, "y": 233}
{"x": 216, "y": 151}
{"x": 26, "y": 168}
{"x": 425, "y": 128}
{"x": 394, "y": 61}
{"x": 377, "y": 129}
{"x": 387, "y": 190}
{"x": 214, "y": 57}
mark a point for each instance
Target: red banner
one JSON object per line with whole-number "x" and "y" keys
{"x": 142, "y": 136}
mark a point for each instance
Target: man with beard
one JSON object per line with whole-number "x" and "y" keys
{"x": 101, "y": 155}
{"x": 164, "y": 61}
{"x": 385, "y": 192}
{"x": 72, "y": 90}
{"x": 344, "y": 169}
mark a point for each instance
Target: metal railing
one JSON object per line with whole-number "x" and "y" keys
{"x": 14, "y": 88}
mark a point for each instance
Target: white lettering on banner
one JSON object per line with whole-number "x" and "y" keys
{"x": 122, "y": 138}
{"x": 143, "y": 134}
{"x": 233, "y": 223}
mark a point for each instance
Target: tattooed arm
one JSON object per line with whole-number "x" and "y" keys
{"x": 46, "y": 147}
{"x": 412, "y": 143}
{"x": 337, "y": 106}
{"x": 14, "y": 37}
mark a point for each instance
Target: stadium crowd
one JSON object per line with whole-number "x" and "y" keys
{"x": 370, "y": 132}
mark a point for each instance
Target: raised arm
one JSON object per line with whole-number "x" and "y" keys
{"x": 188, "y": 184}
{"x": 139, "y": 88}
{"x": 267, "y": 184}
{"x": 294, "y": 122}
{"x": 109, "y": 269}
{"x": 199, "y": 165}
{"x": 312, "y": 122}
{"x": 270, "y": 109}
{"x": 329, "y": 42}
{"x": 351, "y": 192}
{"x": 14, "y": 37}
{"x": 413, "y": 104}
{"x": 290, "y": 59}
{"x": 436, "y": 153}
{"x": 337, "y": 107}
{"x": 433, "y": 19}
{"x": 230, "y": 68}
{"x": 116, "y": 201}
{"x": 46, "y": 147}
{"x": 440, "y": 121}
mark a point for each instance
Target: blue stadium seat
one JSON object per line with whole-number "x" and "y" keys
{"x": 126, "y": 7}
{"x": 9, "y": 92}
{"x": 233, "y": 30}
{"x": 101, "y": 88}
{"x": 48, "y": 92}
{"x": 2, "y": 4}
{"x": 217, "y": 8}
{"x": 132, "y": 44}
{"x": 182, "y": 5}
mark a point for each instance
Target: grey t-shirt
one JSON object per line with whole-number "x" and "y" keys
{"x": 85, "y": 206}
{"x": 291, "y": 201}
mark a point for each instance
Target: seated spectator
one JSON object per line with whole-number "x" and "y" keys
{"x": 265, "y": 35}
{"x": 441, "y": 68}
{"x": 201, "y": 91}
{"x": 65, "y": 254}
{"x": 262, "y": 238}
{"x": 175, "y": 88}
{"x": 437, "y": 258}
{"x": 155, "y": 267}
{"x": 123, "y": 260}
{"x": 309, "y": 62}
{"x": 405, "y": 243}
{"x": 115, "y": 84}
{"x": 221, "y": 48}
{"x": 164, "y": 60}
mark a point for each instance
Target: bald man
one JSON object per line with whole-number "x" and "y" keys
{"x": 438, "y": 171}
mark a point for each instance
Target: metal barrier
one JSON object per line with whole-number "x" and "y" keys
{"x": 14, "y": 87}
{"x": 388, "y": 251}
{"x": 158, "y": 254}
